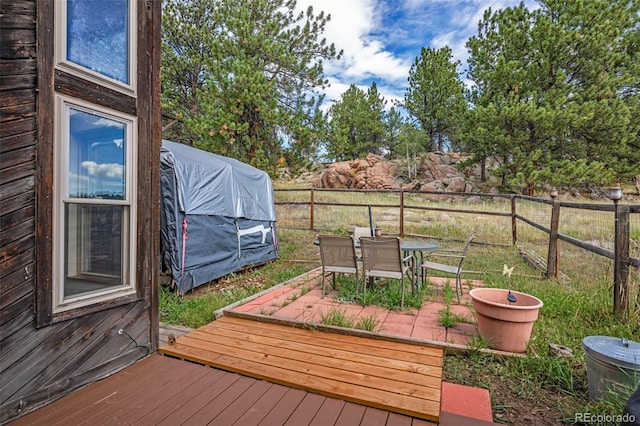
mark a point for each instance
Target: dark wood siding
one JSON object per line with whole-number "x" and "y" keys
{"x": 43, "y": 357}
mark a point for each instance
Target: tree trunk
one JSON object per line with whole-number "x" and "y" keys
{"x": 483, "y": 170}
{"x": 530, "y": 189}
{"x": 636, "y": 182}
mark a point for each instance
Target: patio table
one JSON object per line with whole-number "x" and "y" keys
{"x": 417, "y": 248}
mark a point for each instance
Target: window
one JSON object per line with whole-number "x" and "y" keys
{"x": 94, "y": 210}
{"x": 94, "y": 40}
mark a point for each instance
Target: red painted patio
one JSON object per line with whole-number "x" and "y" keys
{"x": 301, "y": 300}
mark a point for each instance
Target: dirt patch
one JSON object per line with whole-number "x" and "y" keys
{"x": 519, "y": 399}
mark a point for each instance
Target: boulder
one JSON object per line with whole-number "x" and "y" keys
{"x": 372, "y": 172}
{"x": 337, "y": 175}
{"x": 375, "y": 172}
{"x": 412, "y": 186}
{"x": 456, "y": 184}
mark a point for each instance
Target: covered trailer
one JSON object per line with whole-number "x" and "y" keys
{"x": 217, "y": 215}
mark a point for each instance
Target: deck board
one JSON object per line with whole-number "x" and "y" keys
{"x": 388, "y": 375}
{"x": 197, "y": 394}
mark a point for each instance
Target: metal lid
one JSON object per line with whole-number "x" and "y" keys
{"x": 619, "y": 351}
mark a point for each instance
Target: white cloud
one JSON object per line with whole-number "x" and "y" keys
{"x": 105, "y": 170}
{"x": 381, "y": 38}
{"x": 353, "y": 28}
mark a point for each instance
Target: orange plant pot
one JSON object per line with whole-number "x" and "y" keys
{"x": 506, "y": 326}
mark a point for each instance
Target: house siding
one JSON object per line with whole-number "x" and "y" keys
{"x": 40, "y": 361}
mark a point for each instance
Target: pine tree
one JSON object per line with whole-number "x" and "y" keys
{"x": 253, "y": 75}
{"x": 550, "y": 91}
{"x": 357, "y": 124}
{"x": 435, "y": 97}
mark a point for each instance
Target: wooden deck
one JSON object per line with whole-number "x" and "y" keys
{"x": 161, "y": 390}
{"x": 398, "y": 377}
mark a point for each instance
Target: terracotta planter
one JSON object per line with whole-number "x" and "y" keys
{"x": 506, "y": 326}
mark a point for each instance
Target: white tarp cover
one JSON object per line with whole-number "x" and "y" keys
{"x": 226, "y": 207}
{"x": 215, "y": 185}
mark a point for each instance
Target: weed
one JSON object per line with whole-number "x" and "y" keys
{"x": 448, "y": 319}
{"x": 195, "y": 311}
{"x": 266, "y": 311}
{"x": 367, "y": 323}
{"x": 389, "y": 296}
{"x": 448, "y": 293}
{"x": 476, "y": 343}
{"x": 311, "y": 326}
{"x": 337, "y": 317}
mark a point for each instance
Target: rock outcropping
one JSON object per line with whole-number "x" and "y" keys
{"x": 373, "y": 172}
{"x": 435, "y": 172}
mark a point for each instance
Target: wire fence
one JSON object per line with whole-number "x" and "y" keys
{"x": 562, "y": 239}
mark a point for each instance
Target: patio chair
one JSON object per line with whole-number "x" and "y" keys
{"x": 455, "y": 259}
{"x": 360, "y": 231}
{"x": 338, "y": 256}
{"x": 382, "y": 258}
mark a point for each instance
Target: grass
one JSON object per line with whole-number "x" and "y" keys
{"x": 197, "y": 311}
{"x": 337, "y": 317}
{"x": 386, "y": 293}
{"x": 574, "y": 308}
{"x": 367, "y": 323}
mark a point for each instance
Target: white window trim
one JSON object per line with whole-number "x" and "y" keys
{"x": 62, "y": 63}
{"x": 60, "y": 195}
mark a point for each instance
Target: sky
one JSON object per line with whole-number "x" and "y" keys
{"x": 381, "y": 39}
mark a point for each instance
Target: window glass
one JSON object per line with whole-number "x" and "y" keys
{"x": 96, "y": 212}
{"x": 98, "y": 36}
{"x": 96, "y": 241}
{"x": 97, "y": 149}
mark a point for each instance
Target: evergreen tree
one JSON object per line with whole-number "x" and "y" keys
{"x": 184, "y": 64}
{"x": 244, "y": 76}
{"x": 549, "y": 98}
{"x": 357, "y": 124}
{"x": 435, "y": 97}
{"x": 393, "y": 127}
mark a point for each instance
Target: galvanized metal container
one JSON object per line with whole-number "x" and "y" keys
{"x": 613, "y": 364}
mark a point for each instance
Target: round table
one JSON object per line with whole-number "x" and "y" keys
{"x": 417, "y": 248}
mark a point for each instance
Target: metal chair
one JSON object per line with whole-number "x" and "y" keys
{"x": 456, "y": 258}
{"x": 360, "y": 231}
{"x": 382, "y": 258}
{"x": 338, "y": 256}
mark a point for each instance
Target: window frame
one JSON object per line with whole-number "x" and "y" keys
{"x": 61, "y": 62}
{"x": 145, "y": 105}
{"x": 63, "y": 107}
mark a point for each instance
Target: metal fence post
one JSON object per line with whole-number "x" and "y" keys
{"x": 514, "y": 235}
{"x": 553, "y": 258}
{"x": 311, "y": 209}
{"x": 621, "y": 261}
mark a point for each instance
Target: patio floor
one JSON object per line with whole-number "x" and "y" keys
{"x": 301, "y": 300}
